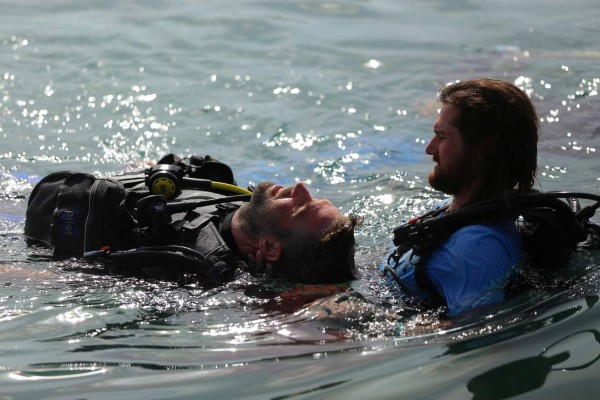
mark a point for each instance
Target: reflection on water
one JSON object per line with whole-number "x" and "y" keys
{"x": 576, "y": 351}
{"x": 514, "y": 378}
{"x": 337, "y": 94}
{"x": 116, "y": 329}
{"x": 59, "y": 373}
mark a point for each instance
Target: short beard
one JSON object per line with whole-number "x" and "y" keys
{"x": 446, "y": 184}
{"x": 256, "y": 218}
{"x": 452, "y": 182}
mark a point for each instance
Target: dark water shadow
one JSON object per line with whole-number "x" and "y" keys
{"x": 527, "y": 374}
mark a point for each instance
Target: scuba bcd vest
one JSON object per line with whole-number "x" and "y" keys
{"x": 160, "y": 221}
{"x": 552, "y": 225}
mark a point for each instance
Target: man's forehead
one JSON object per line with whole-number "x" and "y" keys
{"x": 449, "y": 116}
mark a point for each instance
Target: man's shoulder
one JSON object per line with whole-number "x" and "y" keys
{"x": 500, "y": 230}
{"x": 473, "y": 261}
{"x": 499, "y": 244}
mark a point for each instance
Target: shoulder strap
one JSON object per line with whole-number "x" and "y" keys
{"x": 211, "y": 262}
{"x": 425, "y": 233}
{"x": 567, "y": 225}
{"x": 219, "y": 264}
{"x": 191, "y": 244}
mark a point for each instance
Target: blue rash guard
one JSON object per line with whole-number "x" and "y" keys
{"x": 468, "y": 270}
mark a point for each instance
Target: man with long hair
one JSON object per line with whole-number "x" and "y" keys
{"x": 484, "y": 143}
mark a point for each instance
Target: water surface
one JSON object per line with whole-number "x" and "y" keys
{"x": 337, "y": 94}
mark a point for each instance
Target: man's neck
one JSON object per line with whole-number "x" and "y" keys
{"x": 466, "y": 195}
{"x": 458, "y": 202}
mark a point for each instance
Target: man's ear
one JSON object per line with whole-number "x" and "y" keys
{"x": 489, "y": 144}
{"x": 270, "y": 249}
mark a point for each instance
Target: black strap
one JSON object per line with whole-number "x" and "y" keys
{"x": 212, "y": 260}
{"x": 422, "y": 235}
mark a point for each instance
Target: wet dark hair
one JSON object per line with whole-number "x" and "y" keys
{"x": 502, "y": 116}
{"x": 307, "y": 259}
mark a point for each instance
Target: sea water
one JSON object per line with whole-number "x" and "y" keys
{"x": 338, "y": 94}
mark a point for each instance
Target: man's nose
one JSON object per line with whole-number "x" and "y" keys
{"x": 430, "y": 148}
{"x": 301, "y": 195}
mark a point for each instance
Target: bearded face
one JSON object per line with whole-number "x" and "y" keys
{"x": 257, "y": 216}
{"x": 453, "y": 174}
{"x": 278, "y": 210}
{"x": 455, "y": 167}
{"x": 261, "y": 216}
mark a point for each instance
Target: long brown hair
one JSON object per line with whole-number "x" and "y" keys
{"x": 503, "y": 117}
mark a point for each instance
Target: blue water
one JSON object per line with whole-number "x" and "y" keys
{"x": 337, "y": 94}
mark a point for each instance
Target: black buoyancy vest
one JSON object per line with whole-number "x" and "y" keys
{"x": 118, "y": 220}
{"x": 187, "y": 242}
{"x": 551, "y": 229}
